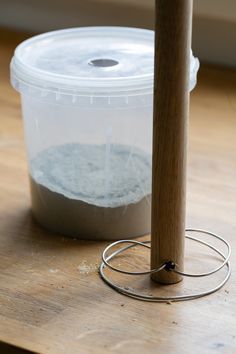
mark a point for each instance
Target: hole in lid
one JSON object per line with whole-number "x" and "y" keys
{"x": 103, "y": 63}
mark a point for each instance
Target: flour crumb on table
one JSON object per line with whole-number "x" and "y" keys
{"x": 85, "y": 268}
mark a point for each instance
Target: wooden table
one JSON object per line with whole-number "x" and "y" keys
{"x": 51, "y": 297}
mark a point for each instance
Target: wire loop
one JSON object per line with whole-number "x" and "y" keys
{"x": 168, "y": 266}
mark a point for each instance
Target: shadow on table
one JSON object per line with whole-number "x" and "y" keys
{"x": 11, "y": 349}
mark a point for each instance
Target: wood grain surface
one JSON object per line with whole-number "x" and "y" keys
{"x": 51, "y": 297}
{"x": 170, "y": 130}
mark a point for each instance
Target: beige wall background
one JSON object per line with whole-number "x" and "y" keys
{"x": 214, "y": 21}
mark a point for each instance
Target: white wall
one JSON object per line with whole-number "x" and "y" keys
{"x": 214, "y": 24}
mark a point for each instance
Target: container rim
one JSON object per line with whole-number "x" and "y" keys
{"x": 24, "y": 76}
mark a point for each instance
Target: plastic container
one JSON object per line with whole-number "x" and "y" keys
{"x": 86, "y": 97}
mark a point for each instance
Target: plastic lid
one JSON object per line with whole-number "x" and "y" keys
{"x": 88, "y": 60}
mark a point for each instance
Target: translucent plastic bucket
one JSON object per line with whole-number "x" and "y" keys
{"x": 86, "y": 98}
